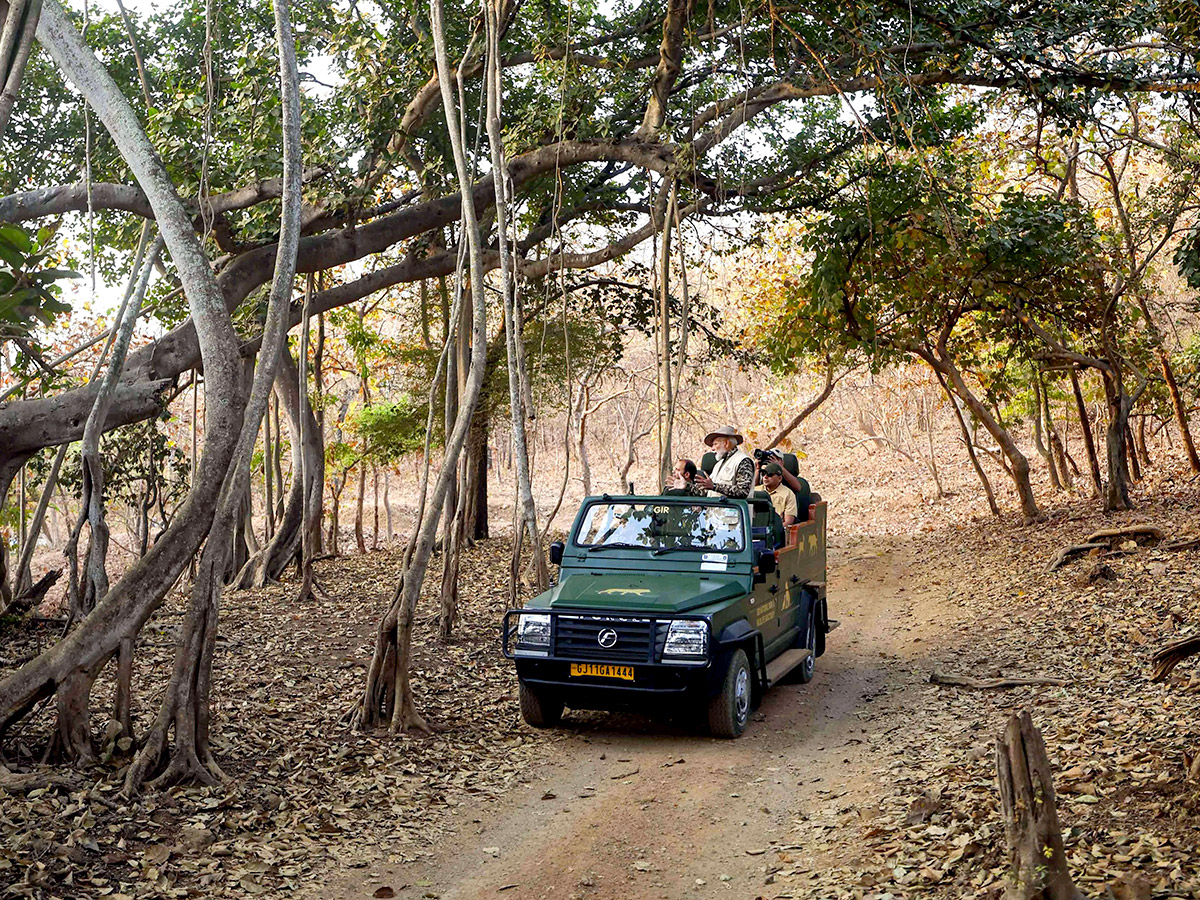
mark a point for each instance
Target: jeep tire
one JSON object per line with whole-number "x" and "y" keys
{"x": 539, "y": 709}
{"x": 803, "y": 673}
{"x": 729, "y": 710}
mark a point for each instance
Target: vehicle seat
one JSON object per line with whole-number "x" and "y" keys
{"x": 804, "y": 497}
{"x": 708, "y": 462}
{"x": 766, "y": 521}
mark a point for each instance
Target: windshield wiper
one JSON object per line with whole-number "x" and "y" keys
{"x": 617, "y": 546}
{"x": 659, "y": 551}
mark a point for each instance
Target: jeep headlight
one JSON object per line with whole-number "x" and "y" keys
{"x": 533, "y": 630}
{"x": 687, "y": 637}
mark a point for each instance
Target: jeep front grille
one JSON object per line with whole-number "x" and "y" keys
{"x": 577, "y": 636}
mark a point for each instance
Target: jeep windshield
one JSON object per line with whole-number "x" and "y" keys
{"x": 661, "y": 525}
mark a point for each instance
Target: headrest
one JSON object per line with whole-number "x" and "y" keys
{"x": 791, "y": 463}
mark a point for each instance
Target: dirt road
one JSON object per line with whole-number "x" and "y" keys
{"x": 634, "y": 809}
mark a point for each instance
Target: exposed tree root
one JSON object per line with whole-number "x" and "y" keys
{"x": 406, "y": 719}
{"x": 943, "y": 678}
{"x": 1110, "y": 534}
{"x": 1166, "y": 659}
{"x": 1066, "y": 553}
{"x": 1109, "y": 539}
{"x": 71, "y": 740}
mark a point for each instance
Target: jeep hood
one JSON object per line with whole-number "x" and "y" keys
{"x": 668, "y": 592}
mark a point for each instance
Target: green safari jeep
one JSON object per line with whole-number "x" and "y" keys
{"x": 670, "y": 601}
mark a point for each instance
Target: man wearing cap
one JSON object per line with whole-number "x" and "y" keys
{"x": 782, "y": 498}
{"x": 733, "y": 475}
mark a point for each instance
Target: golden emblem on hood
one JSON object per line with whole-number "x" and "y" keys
{"x": 638, "y": 591}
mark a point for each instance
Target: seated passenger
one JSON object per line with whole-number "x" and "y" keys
{"x": 804, "y": 495}
{"x": 683, "y": 475}
{"x": 782, "y": 498}
{"x": 733, "y": 475}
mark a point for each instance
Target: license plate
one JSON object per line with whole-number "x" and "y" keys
{"x": 598, "y": 670}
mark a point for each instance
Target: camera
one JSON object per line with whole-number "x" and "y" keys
{"x": 766, "y": 455}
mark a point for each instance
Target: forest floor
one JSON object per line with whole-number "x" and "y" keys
{"x": 868, "y": 783}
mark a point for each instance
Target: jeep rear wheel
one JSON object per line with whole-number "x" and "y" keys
{"x": 804, "y": 671}
{"x": 729, "y": 711}
{"x": 539, "y": 709}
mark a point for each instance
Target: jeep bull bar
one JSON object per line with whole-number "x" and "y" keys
{"x": 588, "y": 636}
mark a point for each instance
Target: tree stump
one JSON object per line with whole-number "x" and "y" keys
{"x": 1037, "y": 861}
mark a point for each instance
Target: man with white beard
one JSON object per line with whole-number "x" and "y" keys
{"x": 733, "y": 475}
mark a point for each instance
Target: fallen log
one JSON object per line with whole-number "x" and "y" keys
{"x": 1073, "y": 550}
{"x": 1166, "y": 659}
{"x": 943, "y": 678}
{"x": 1037, "y": 859}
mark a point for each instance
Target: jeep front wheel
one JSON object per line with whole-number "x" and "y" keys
{"x": 729, "y": 711}
{"x": 537, "y": 708}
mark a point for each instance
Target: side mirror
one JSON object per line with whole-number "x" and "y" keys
{"x": 556, "y": 552}
{"x": 766, "y": 562}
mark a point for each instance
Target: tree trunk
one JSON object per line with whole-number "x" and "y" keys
{"x": 6, "y": 593}
{"x": 16, "y": 44}
{"x": 1039, "y": 442}
{"x": 1181, "y": 419}
{"x": 276, "y": 468}
{"x": 375, "y": 507}
{"x": 239, "y": 546}
{"x": 185, "y": 704}
{"x": 387, "y": 503}
{"x": 318, "y": 374}
{"x": 22, "y": 578}
{"x": 476, "y": 522}
{"x": 335, "y": 503}
{"x": 1085, "y": 426}
{"x": 1140, "y": 441}
{"x": 452, "y": 537}
{"x": 360, "y": 497}
{"x": 1037, "y": 860}
{"x": 969, "y": 441}
{"x": 308, "y": 456}
{"x": 580, "y": 414}
{"x": 665, "y": 382}
{"x": 127, "y": 606}
{"x": 83, "y": 598}
{"x": 933, "y": 469}
{"x": 268, "y": 467}
{"x": 1018, "y": 464}
{"x": 1131, "y": 455}
{"x": 1057, "y": 451}
{"x": 387, "y": 696}
{"x": 455, "y": 494}
{"x": 517, "y": 376}
{"x": 1116, "y": 495}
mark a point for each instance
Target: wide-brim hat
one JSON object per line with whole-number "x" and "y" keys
{"x": 724, "y": 431}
